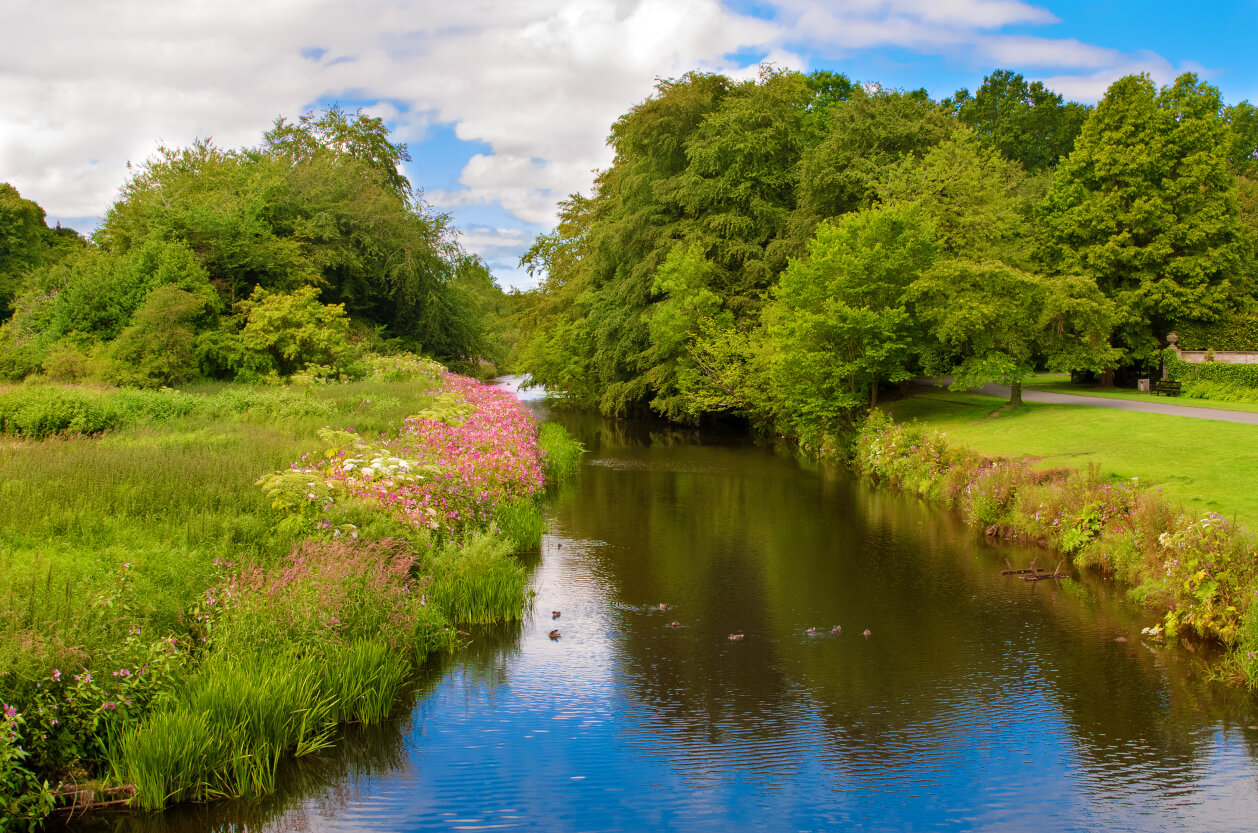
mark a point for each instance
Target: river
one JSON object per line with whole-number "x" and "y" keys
{"x": 977, "y": 701}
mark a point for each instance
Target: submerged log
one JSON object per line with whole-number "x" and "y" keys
{"x": 1040, "y": 576}
{"x": 74, "y": 800}
{"x": 1012, "y": 572}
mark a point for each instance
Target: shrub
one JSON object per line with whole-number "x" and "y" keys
{"x": 1240, "y": 375}
{"x": 40, "y": 412}
{"x": 286, "y": 332}
{"x": 157, "y": 347}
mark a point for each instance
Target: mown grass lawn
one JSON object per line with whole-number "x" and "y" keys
{"x": 1199, "y": 465}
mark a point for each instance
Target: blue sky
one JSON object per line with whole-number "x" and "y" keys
{"x": 506, "y": 105}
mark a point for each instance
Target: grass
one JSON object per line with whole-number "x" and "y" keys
{"x": 1060, "y": 383}
{"x": 168, "y": 499}
{"x": 222, "y": 633}
{"x": 1201, "y": 466}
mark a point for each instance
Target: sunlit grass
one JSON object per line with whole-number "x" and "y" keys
{"x": 1202, "y": 466}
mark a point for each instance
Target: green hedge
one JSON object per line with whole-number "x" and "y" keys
{"x": 1237, "y": 332}
{"x": 1243, "y": 375}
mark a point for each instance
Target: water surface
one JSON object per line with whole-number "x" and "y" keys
{"x": 977, "y": 702}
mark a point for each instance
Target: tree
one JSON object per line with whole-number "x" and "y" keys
{"x": 990, "y": 322}
{"x": 969, "y": 193}
{"x": 1146, "y": 206}
{"x": 838, "y": 326}
{"x": 365, "y": 139}
{"x": 864, "y": 137}
{"x": 288, "y": 332}
{"x": 157, "y": 348}
{"x": 1027, "y": 123}
{"x": 26, "y": 243}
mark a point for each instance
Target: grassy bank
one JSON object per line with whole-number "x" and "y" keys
{"x": 1199, "y": 466}
{"x": 320, "y": 540}
{"x": 1080, "y": 481}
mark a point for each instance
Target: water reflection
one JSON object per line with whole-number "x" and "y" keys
{"x": 978, "y": 701}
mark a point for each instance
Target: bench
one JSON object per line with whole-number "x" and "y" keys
{"x": 1165, "y": 386}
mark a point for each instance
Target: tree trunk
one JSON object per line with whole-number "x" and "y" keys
{"x": 1107, "y": 377}
{"x": 1015, "y": 394}
{"x": 873, "y": 393}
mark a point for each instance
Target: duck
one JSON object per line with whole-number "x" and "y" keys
{"x": 554, "y": 614}
{"x": 868, "y": 633}
{"x": 674, "y": 624}
{"x": 734, "y": 637}
{"x": 555, "y": 634}
{"x": 836, "y": 629}
{"x": 661, "y": 606}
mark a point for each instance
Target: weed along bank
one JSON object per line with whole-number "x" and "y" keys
{"x": 201, "y": 586}
{"x": 1197, "y": 573}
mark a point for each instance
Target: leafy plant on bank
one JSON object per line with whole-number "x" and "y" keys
{"x": 1202, "y": 573}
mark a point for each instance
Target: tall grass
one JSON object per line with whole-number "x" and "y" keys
{"x": 561, "y": 453}
{"x": 242, "y": 714}
{"x": 522, "y": 522}
{"x": 478, "y": 582}
{"x": 135, "y": 536}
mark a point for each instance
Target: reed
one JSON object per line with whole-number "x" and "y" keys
{"x": 522, "y": 522}
{"x": 478, "y": 582}
{"x": 561, "y": 453}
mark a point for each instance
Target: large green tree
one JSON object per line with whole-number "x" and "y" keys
{"x": 1146, "y": 206}
{"x": 839, "y": 325}
{"x": 1027, "y": 123}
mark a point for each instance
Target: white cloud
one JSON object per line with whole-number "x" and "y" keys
{"x": 537, "y": 81}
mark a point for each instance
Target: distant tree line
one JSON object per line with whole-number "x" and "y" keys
{"x": 247, "y": 264}
{"x": 783, "y": 248}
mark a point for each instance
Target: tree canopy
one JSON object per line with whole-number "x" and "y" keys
{"x": 781, "y": 248}
{"x": 319, "y": 210}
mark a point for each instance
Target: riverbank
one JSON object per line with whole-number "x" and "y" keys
{"x": 1198, "y": 570}
{"x": 215, "y": 579}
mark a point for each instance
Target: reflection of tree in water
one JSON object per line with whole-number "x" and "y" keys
{"x": 744, "y": 541}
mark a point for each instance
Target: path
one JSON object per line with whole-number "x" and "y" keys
{"x": 1002, "y": 391}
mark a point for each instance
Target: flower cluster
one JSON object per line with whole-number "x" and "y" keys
{"x": 447, "y": 469}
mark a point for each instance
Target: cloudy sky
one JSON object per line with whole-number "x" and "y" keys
{"x": 506, "y": 104}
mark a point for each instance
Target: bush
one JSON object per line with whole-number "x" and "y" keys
{"x": 1237, "y": 375}
{"x": 40, "y": 412}
{"x": 286, "y": 332}
{"x": 156, "y": 349}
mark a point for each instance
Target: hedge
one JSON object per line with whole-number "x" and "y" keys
{"x": 1237, "y": 332}
{"x": 1243, "y": 375}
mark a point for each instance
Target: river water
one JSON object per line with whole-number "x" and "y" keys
{"x": 976, "y": 702}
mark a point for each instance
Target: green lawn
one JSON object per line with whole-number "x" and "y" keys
{"x": 1199, "y": 465}
{"x": 1060, "y": 383}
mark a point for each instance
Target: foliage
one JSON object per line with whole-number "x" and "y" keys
{"x": 1026, "y": 123}
{"x": 157, "y": 348}
{"x": 1220, "y": 373}
{"x": 24, "y": 799}
{"x": 170, "y": 691}
{"x": 443, "y": 473}
{"x": 1229, "y": 332}
{"x": 839, "y": 325}
{"x": 863, "y": 139}
{"x": 287, "y": 332}
{"x": 968, "y": 193}
{"x": 1146, "y": 205}
{"x": 1202, "y": 572}
{"x": 561, "y": 453}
